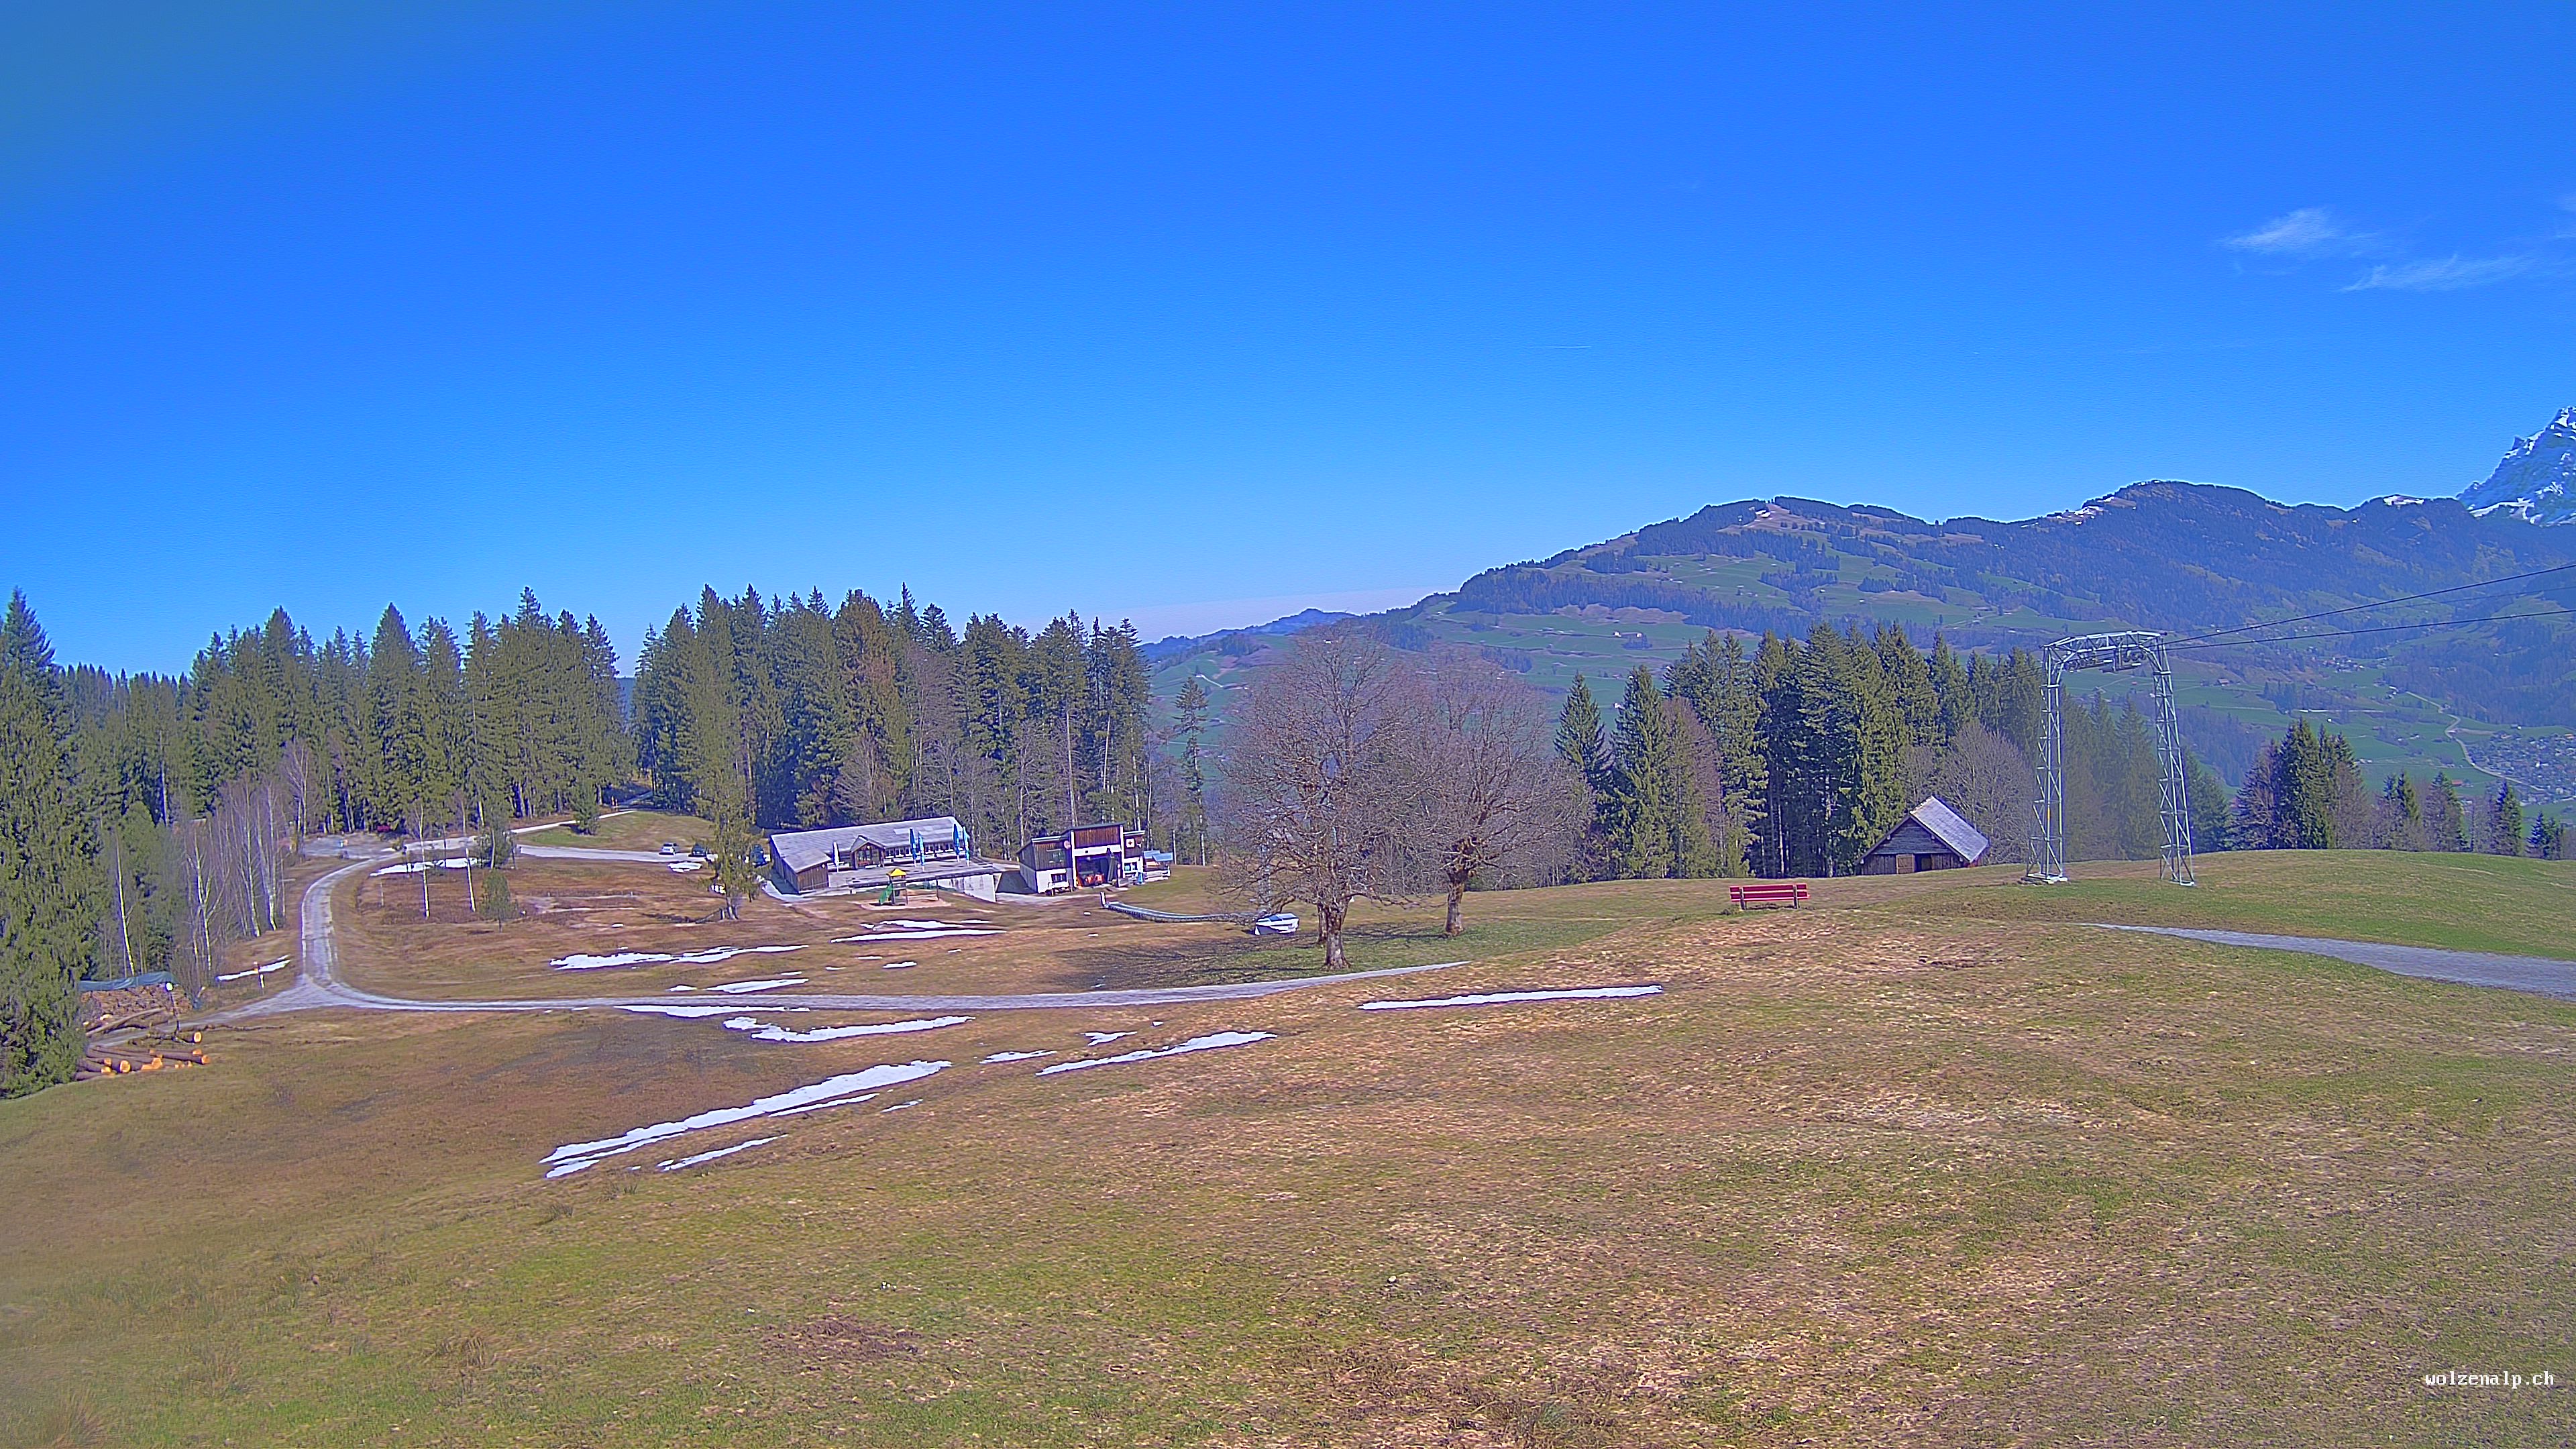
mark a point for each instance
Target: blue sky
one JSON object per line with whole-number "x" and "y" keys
{"x": 1199, "y": 314}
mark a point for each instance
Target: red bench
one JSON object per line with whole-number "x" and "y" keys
{"x": 1769, "y": 893}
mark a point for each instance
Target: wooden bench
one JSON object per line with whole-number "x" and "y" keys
{"x": 1769, "y": 893}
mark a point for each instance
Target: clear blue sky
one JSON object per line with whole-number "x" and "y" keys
{"x": 1153, "y": 312}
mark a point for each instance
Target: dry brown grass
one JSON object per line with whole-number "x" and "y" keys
{"x": 1861, "y": 1175}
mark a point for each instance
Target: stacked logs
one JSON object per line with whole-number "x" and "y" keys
{"x": 128, "y": 1006}
{"x": 119, "y": 1058}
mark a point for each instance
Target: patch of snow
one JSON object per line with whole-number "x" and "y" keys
{"x": 1104, "y": 1038}
{"x": 280, "y": 964}
{"x": 417, "y": 866}
{"x": 683, "y": 867}
{"x": 682, "y": 1011}
{"x": 899, "y": 1106}
{"x": 827, "y": 1106}
{"x": 675, "y": 1164}
{"x": 573, "y": 1157}
{"x": 1498, "y": 998}
{"x": 1016, "y": 1057}
{"x": 578, "y": 962}
{"x": 763, "y": 1031}
{"x": 901, "y": 965}
{"x": 1194, "y": 1044}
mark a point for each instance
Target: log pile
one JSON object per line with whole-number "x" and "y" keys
{"x": 129, "y": 1006}
{"x": 142, "y": 1054}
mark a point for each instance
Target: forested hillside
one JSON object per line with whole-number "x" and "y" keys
{"x": 796, "y": 713}
{"x": 2176, "y": 557}
{"x": 146, "y": 820}
{"x": 1795, "y": 757}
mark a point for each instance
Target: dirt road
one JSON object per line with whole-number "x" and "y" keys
{"x": 317, "y": 987}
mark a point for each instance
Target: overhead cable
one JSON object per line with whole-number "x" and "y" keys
{"x": 2211, "y": 642}
{"x": 2376, "y": 604}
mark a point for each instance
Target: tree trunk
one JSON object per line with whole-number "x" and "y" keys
{"x": 1331, "y": 918}
{"x": 1457, "y": 906}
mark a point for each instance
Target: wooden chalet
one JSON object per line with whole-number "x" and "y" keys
{"x": 1932, "y": 836}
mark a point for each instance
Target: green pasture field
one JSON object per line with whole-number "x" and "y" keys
{"x": 1929, "y": 1162}
{"x": 628, "y": 830}
{"x": 2455, "y": 902}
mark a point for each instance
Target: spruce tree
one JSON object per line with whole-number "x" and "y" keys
{"x": 1950, "y": 683}
{"x": 2504, "y": 817}
{"x": 1641, "y": 811}
{"x": 51, "y": 891}
{"x": 2402, "y": 812}
{"x": 1190, "y": 716}
{"x": 2445, "y": 822}
{"x": 1579, "y": 740}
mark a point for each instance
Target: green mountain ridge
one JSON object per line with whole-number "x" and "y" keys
{"x": 2182, "y": 558}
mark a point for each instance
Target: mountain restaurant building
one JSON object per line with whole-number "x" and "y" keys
{"x": 866, "y": 855}
{"x": 1089, "y": 857}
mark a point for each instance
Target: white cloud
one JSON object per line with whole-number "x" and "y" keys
{"x": 2310, "y": 231}
{"x": 2442, "y": 274}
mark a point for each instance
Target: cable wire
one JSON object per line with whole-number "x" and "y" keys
{"x": 2378, "y": 604}
{"x": 2210, "y": 642}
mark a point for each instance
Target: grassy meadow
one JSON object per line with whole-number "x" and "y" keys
{"x": 1930, "y": 1162}
{"x": 628, "y": 830}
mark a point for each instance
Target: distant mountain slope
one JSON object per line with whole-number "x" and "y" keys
{"x": 2537, "y": 479}
{"x": 2184, "y": 558}
{"x": 1177, "y": 645}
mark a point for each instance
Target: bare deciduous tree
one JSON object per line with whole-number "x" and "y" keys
{"x": 1985, "y": 779}
{"x": 1492, "y": 795}
{"x": 1322, "y": 781}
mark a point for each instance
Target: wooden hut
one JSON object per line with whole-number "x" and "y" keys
{"x": 1932, "y": 836}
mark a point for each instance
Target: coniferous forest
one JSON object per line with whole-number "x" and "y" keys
{"x": 1794, "y": 757}
{"x": 146, "y": 820}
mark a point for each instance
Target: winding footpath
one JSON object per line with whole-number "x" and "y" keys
{"x": 317, "y": 988}
{"x": 2542, "y": 975}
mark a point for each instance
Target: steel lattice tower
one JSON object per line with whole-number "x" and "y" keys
{"x": 2112, "y": 652}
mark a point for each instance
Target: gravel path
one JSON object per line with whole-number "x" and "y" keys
{"x": 317, "y": 988}
{"x": 2544, "y": 975}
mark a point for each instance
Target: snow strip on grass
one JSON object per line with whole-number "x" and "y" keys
{"x": 578, "y": 962}
{"x": 899, "y": 1106}
{"x": 1497, "y": 998}
{"x": 1194, "y": 1044}
{"x": 417, "y": 866}
{"x": 280, "y": 964}
{"x": 683, "y": 867}
{"x": 573, "y": 1157}
{"x": 827, "y": 1106}
{"x": 675, "y": 1164}
{"x": 1104, "y": 1038}
{"x": 683, "y": 1011}
{"x": 902, "y": 930}
{"x": 1016, "y": 1057}
{"x": 763, "y": 1031}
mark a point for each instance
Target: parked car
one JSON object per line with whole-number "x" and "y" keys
{"x": 1283, "y": 923}
{"x": 670, "y": 847}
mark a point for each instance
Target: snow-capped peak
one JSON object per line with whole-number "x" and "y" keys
{"x": 2537, "y": 478}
